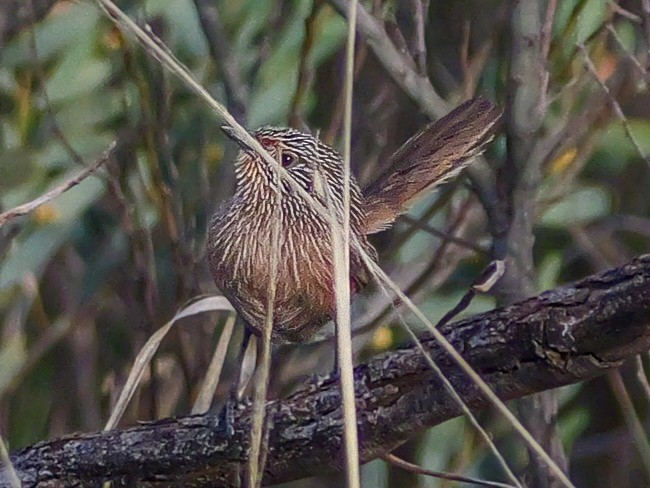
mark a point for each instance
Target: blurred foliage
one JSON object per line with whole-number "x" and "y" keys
{"x": 87, "y": 278}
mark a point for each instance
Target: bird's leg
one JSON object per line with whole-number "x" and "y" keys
{"x": 335, "y": 369}
{"x": 248, "y": 364}
{"x": 246, "y": 367}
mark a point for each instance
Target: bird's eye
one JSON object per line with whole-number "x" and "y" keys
{"x": 289, "y": 159}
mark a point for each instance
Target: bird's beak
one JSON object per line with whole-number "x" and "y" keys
{"x": 230, "y": 132}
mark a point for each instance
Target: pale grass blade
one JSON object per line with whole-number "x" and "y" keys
{"x": 212, "y": 377}
{"x": 205, "y": 304}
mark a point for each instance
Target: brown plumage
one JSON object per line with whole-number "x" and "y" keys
{"x": 239, "y": 239}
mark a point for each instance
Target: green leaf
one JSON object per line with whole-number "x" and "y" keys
{"x": 12, "y": 357}
{"x": 590, "y": 18}
{"x": 32, "y": 254}
{"x": 549, "y": 271}
{"x": 77, "y": 74}
{"x": 616, "y": 148}
{"x": 578, "y": 208}
{"x": 76, "y": 26}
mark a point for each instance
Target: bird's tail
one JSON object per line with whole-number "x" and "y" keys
{"x": 431, "y": 157}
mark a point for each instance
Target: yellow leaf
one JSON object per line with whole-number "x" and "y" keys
{"x": 45, "y": 214}
{"x": 213, "y": 154}
{"x": 382, "y": 338}
{"x": 563, "y": 161}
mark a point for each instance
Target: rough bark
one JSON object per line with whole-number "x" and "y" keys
{"x": 560, "y": 337}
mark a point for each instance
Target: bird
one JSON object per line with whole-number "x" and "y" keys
{"x": 241, "y": 231}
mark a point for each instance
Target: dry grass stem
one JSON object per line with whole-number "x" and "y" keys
{"x": 382, "y": 277}
{"x": 341, "y": 246}
{"x": 257, "y": 455}
{"x": 143, "y": 359}
{"x": 213, "y": 375}
{"x": 7, "y": 467}
{"x": 26, "y": 208}
{"x": 450, "y": 388}
{"x": 414, "y": 468}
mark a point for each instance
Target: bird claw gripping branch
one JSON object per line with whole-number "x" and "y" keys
{"x": 240, "y": 232}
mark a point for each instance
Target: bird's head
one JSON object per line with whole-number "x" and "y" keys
{"x": 309, "y": 161}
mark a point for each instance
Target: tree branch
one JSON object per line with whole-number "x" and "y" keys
{"x": 560, "y": 337}
{"x": 400, "y": 66}
{"x": 518, "y": 181}
{"x": 222, "y": 55}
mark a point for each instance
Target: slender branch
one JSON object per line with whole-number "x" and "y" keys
{"x": 631, "y": 417}
{"x": 28, "y": 207}
{"x": 414, "y": 468}
{"x": 221, "y": 53}
{"x": 518, "y": 182}
{"x": 560, "y": 337}
{"x": 616, "y": 107}
{"x": 420, "y": 13}
{"x": 401, "y": 68}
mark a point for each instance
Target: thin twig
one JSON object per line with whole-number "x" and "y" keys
{"x": 382, "y": 277}
{"x": 305, "y": 70}
{"x": 616, "y": 8}
{"x": 418, "y": 87}
{"x": 546, "y": 35}
{"x": 634, "y": 425}
{"x": 498, "y": 271}
{"x": 628, "y": 55}
{"x": 642, "y": 377}
{"x": 468, "y": 83}
{"x": 329, "y": 136}
{"x": 414, "y": 468}
{"x": 419, "y": 18}
{"x": 26, "y": 208}
{"x": 215, "y": 35}
{"x": 433, "y": 273}
{"x": 618, "y": 111}
{"x": 429, "y": 229}
{"x": 645, "y": 7}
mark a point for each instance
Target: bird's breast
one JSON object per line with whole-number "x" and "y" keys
{"x": 240, "y": 251}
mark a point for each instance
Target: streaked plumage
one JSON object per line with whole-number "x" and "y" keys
{"x": 239, "y": 240}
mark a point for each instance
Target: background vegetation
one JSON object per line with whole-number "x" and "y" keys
{"x": 86, "y": 278}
